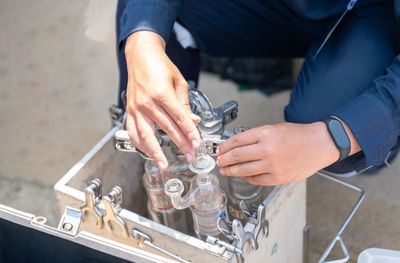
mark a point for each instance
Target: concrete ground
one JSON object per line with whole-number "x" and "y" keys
{"x": 58, "y": 75}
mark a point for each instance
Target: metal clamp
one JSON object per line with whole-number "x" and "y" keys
{"x": 255, "y": 223}
{"x": 231, "y": 235}
{"x": 214, "y": 121}
{"x": 112, "y": 204}
{"x": 255, "y": 219}
{"x": 213, "y": 141}
{"x": 92, "y": 198}
{"x": 338, "y": 236}
{"x": 123, "y": 143}
{"x": 229, "y": 111}
{"x": 144, "y": 239}
{"x": 243, "y": 236}
{"x": 116, "y": 115}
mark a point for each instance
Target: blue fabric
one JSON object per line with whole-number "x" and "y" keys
{"x": 347, "y": 80}
{"x": 151, "y": 15}
{"x": 355, "y": 77}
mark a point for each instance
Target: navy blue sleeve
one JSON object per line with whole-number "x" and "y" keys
{"x": 374, "y": 116}
{"x": 151, "y": 15}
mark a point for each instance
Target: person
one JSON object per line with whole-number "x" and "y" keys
{"x": 343, "y": 113}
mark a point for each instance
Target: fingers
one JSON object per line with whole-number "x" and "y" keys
{"x": 239, "y": 155}
{"x": 196, "y": 119}
{"x": 242, "y": 139}
{"x": 182, "y": 118}
{"x": 181, "y": 90}
{"x": 244, "y": 169}
{"x": 148, "y": 141}
{"x": 169, "y": 126}
{"x": 261, "y": 179}
{"x": 182, "y": 94}
{"x": 133, "y": 132}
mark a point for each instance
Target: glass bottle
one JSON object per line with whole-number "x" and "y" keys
{"x": 205, "y": 198}
{"x": 238, "y": 190}
{"x": 179, "y": 167}
{"x": 159, "y": 205}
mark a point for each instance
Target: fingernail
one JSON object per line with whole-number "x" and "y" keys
{"x": 189, "y": 157}
{"x": 194, "y": 116}
{"x": 222, "y": 171}
{"x": 217, "y": 162}
{"x": 195, "y": 144}
{"x": 161, "y": 165}
{"x": 217, "y": 151}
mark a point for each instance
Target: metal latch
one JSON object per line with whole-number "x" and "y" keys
{"x": 92, "y": 198}
{"x": 144, "y": 239}
{"x": 112, "y": 204}
{"x": 255, "y": 220}
{"x": 241, "y": 235}
{"x": 123, "y": 143}
{"x": 116, "y": 115}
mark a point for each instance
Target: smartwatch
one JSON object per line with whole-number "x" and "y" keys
{"x": 339, "y": 136}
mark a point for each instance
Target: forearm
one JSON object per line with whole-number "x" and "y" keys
{"x": 373, "y": 117}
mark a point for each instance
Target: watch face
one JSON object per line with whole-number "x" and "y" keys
{"x": 339, "y": 134}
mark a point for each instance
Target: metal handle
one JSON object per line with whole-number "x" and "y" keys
{"x": 144, "y": 239}
{"x": 123, "y": 144}
{"x": 338, "y": 236}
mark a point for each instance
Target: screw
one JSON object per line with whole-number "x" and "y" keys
{"x": 135, "y": 234}
{"x": 68, "y": 227}
{"x": 116, "y": 192}
{"x": 95, "y": 184}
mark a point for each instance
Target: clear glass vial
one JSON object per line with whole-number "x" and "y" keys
{"x": 205, "y": 198}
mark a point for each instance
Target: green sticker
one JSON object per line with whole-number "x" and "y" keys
{"x": 274, "y": 249}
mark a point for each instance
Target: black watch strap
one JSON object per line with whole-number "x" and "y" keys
{"x": 339, "y": 136}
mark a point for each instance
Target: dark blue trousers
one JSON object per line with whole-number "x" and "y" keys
{"x": 359, "y": 50}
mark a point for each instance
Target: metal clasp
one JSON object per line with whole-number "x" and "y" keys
{"x": 256, "y": 219}
{"x": 123, "y": 143}
{"x": 256, "y": 222}
{"x": 92, "y": 198}
{"x": 112, "y": 204}
{"x": 116, "y": 115}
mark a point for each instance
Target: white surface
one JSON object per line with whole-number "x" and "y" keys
{"x": 378, "y": 255}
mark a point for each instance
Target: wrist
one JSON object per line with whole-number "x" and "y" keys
{"x": 143, "y": 39}
{"x": 355, "y": 147}
{"x": 324, "y": 144}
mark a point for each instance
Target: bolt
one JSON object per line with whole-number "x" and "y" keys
{"x": 135, "y": 235}
{"x": 115, "y": 192}
{"x": 68, "y": 227}
{"x": 95, "y": 184}
{"x": 240, "y": 128}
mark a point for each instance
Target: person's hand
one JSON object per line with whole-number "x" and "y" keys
{"x": 277, "y": 154}
{"x": 157, "y": 93}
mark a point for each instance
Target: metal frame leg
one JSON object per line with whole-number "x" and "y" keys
{"x": 338, "y": 236}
